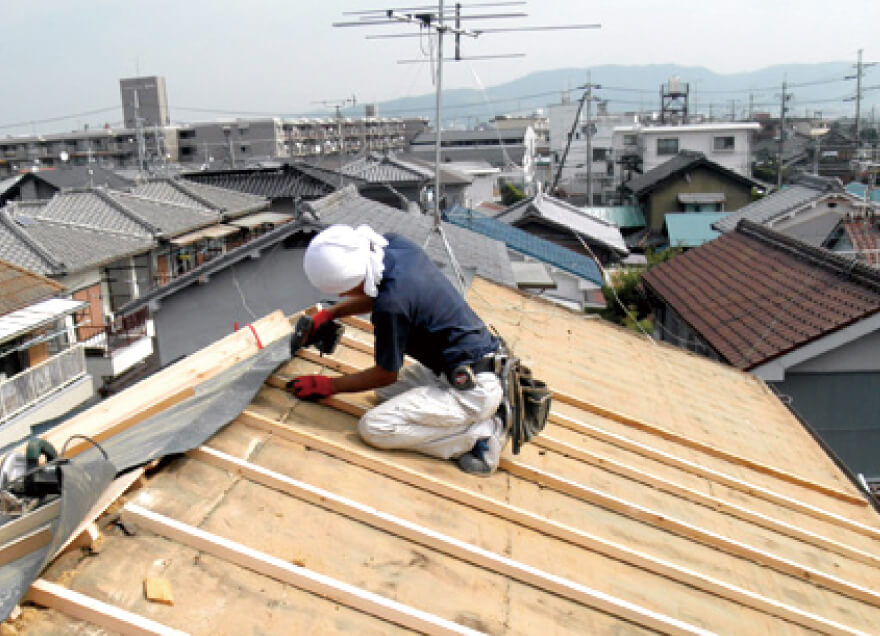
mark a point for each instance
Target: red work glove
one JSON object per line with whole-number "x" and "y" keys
{"x": 311, "y": 387}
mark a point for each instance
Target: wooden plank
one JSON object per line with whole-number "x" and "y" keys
{"x": 690, "y": 531}
{"x": 542, "y": 525}
{"x": 173, "y": 381}
{"x": 24, "y": 524}
{"x": 24, "y": 545}
{"x": 291, "y": 574}
{"x": 97, "y": 612}
{"x": 437, "y": 541}
{"x": 80, "y": 445}
{"x": 158, "y": 590}
{"x": 711, "y": 474}
{"x": 715, "y": 503}
{"x": 358, "y": 323}
{"x": 714, "y": 451}
{"x": 86, "y": 538}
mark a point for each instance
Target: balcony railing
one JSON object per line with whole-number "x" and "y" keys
{"x": 112, "y": 337}
{"x": 28, "y": 387}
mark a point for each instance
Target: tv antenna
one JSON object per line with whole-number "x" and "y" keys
{"x": 439, "y": 21}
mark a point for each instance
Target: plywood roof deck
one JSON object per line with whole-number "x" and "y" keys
{"x": 607, "y": 523}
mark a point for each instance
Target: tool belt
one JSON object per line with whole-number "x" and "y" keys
{"x": 526, "y": 402}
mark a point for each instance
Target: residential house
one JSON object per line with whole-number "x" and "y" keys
{"x": 284, "y": 186}
{"x": 107, "y": 247}
{"x": 604, "y": 173}
{"x": 810, "y": 210}
{"x": 554, "y": 272}
{"x": 44, "y": 184}
{"x": 728, "y": 144}
{"x": 667, "y": 493}
{"x": 688, "y": 182}
{"x": 42, "y": 365}
{"x": 857, "y": 238}
{"x": 267, "y": 273}
{"x": 559, "y": 222}
{"x": 629, "y": 219}
{"x": 402, "y": 181}
{"x": 802, "y": 319}
{"x": 863, "y": 191}
{"x": 511, "y": 149}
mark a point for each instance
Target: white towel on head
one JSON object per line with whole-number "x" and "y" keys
{"x": 341, "y": 257}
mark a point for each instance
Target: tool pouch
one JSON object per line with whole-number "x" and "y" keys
{"x": 526, "y": 404}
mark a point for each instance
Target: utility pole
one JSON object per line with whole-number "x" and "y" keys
{"x": 781, "y": 151}
{"x": 588, "y": 131}
{"x": 751, "y": 106}
{"x": 859, "y": 97}
{"x": 139, "y": 132}
{"x": 438, "y": 103}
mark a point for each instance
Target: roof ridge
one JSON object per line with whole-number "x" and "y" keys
{"x": 331, "y": 200}
{"x": 143, "y": 197}
{"x": 858, "y": 272}
{"x": 137, "y": 218}
{"x": 7, "y": 218}
{"x": 185, "y": 189}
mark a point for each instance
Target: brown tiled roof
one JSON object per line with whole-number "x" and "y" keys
{"x": 864, "y": 234}
{"x": 20, "y": 288}
{"x": 754, "y": 294}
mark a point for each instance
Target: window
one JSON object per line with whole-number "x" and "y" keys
{"x": 630, "y": 140}
{"x": 600, "y": 154}
{"x": 723, "y": 144}
{"x": 667, "y": 146}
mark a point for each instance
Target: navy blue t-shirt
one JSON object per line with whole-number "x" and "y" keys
{"x": 417, "y": 312}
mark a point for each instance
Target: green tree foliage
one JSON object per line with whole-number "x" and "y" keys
{"x": 510, "y": 194}
{"x": 628, "y": 289}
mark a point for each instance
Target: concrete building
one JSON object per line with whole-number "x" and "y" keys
{"x": 726, "y": 143}
{"x": 144, "y": 99}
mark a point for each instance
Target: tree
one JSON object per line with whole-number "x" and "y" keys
{"x": 510, "y": 194}
{"x": 626, "y": 289}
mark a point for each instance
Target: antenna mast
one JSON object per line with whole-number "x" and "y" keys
{"x": 435, "y": 22}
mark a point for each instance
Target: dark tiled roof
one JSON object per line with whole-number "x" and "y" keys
{"x": 754, "y": 294}
{"x": 486, "y": 256}
{"x": 289, "y": 181}
{"x": 683, "y": 161}
{"x": 20, "y": 288}
{"x": 82, "y": 176}
{"x": 79, "y": 248}
{"x": 528, "y": 244}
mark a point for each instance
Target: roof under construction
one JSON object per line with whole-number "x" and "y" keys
{"x": 668, "y": 493}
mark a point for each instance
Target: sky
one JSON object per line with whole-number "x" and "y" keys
{"x": 283, "y": 57}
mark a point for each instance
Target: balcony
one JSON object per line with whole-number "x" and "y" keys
{"x": 35, "y": 384}
{"x": 115, "y": 348}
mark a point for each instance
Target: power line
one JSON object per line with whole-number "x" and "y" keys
{"x": 50, "y": 120}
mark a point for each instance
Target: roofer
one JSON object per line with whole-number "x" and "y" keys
{"x": 444, "y": 405}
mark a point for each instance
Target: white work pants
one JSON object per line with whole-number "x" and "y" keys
{"x": 424, "y": 413}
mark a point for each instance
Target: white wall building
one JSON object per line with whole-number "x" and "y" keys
{"x": 726, "y": 143}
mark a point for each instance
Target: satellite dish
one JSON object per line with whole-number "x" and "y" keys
{"x": 64, "y": 156}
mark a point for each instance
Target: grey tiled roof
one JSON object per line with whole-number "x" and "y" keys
{"x": 564, "y": 215}
{"x": 15, "y": 250}
{"x": 770, "y": 207}
{"x": 82, "y": 176}
{"x": 384, "y": 171}
{"x": 168, "y": 219}
{"x": 165, "y": 191}
{"x": 83, "y": 209}
{"x": 474, "y": 251}
{"x": 80, "y": 248}
{"x": 231, "y": 202}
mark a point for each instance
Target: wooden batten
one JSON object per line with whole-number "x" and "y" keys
{"x": 442, "y": 543}
{"x": 291, "y": 574}
{"x": 544, "y": 526}
{"x": 25, "y": 545}
{"x": 709, "y": 449}
{"x": 711, "y": 474}
{"x": 695, "y": 496}
{"x": 85, "y": 608}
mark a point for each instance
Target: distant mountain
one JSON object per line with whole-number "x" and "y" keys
{"x": 814, "y": 87}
